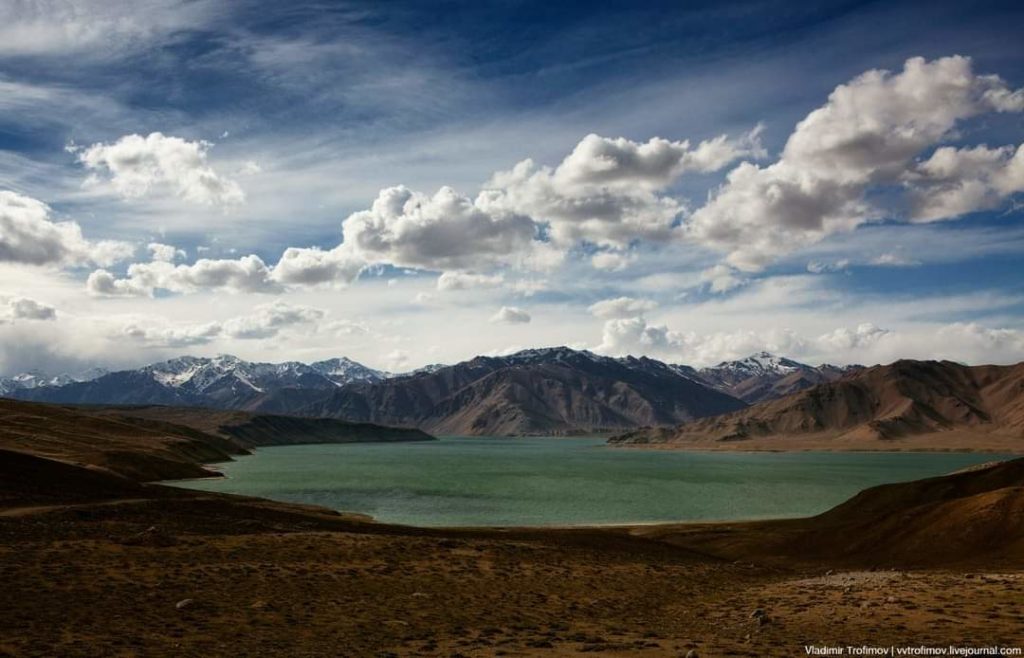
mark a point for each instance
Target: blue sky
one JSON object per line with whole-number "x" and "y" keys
{"x": 277, "y": 122}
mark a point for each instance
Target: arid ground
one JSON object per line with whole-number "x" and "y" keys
{"x": 94, "y": 563}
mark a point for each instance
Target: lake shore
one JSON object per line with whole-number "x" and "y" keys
{"x": 949, "y": 441}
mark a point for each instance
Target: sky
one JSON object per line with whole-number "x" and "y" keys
{"x": 408, "y": 183}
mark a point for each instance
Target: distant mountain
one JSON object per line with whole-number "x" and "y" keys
{"x": 541, "y": 391}
{"x": 224, "y": 381}
{"x": 35, "y": 379}
{"x": 903, "y": 399}
{"x": 765, "y": 376}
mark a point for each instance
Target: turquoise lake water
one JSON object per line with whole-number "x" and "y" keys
{"x": 574, "y": 481}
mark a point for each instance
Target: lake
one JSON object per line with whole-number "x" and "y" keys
{"x": 565, "y": 481}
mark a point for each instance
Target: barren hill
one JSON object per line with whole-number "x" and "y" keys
{"x": 156, "y": 443}
{"x": 866, "y": 408}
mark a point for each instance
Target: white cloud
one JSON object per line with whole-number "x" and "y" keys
{"x": 266, "y": 321}
{"x": 892, "y": 259}
{"x": 445, "y": 231}
{"x": 246, "y": 274}
{"x": 606, "y": 191}
{"x": 511, "y": 315}
{"x": 819, "y": 267}
{"x": 23, "y": 308}
{"x": 311, "y": 266}
{"x": 138, "y": 165}
{"x": 722, "y": 278}
{"x": 28, "y": 235}
{"x": 456, "y": 280}
{"x": 174, "y": 337}
{"x": 165, "y": 252}
{"x": 269, "y": 319}
{"x": 611, "y": 261}
{"x": 867, "y": 134}
{"x": 92, "y": 27}
{"x": 621, "y": 307}
{"x": 843, "y": 339}
{"x": 396, "y": 360}
{"x": 635, "y": 335}
{"x": 954, "y": 182}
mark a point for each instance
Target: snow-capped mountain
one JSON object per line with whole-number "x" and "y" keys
{"x": 765, "y": 376}
{"x": 553, "y": 389}
{"x": 550, "y": 390}
{"x": 35, "y": 379}
{"x": 222, "y": 381}
{"x": 345, "y": 371}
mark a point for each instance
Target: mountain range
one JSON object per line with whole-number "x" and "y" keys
{"x": 540, "y": 391}
{"x": 882, "y": 403}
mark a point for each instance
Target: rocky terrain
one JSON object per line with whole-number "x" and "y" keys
{"x": 907, "y": 404}
{"x": 99, "y": 562}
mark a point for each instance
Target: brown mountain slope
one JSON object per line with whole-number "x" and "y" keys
{"x": 548, "y": 391}
{"x": 884, "y": 403}
{"x": 158, "y": 443}
{"x": 253, "y": 430}
{"x": 969, "y": 517}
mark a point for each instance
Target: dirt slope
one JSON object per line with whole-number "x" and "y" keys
{"x": 161, "y": 443}
{"x": 871, "y": 407}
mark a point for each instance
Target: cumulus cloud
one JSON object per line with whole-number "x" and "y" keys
{"x": 23, "y": 308}
{"x": 445, "y": 231}
{"x": 606, "y": 192}
{"x": 165, "y": 252}
{"x": 245, "y": 274}
{"x": 165, "y": 336}
{"x": 867, "y": 134}
{"x": 269, "y": 319}
{"x": 621, "y": 307}
{"x": 465, "y": 280}
{"x": 28, "y": 235}
{"x": 137, "y": 165}
{"x": 844, "y": 339}
{"x": 636, "y": 335}
{"x": 511, "y": 315}
{"x": 311, "y": 266}
{"x": 266, "y": 321}
{"x": 954, "y": 182}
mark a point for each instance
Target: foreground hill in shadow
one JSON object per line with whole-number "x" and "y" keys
{"x": 946, "y": 405}
{"x": 160, "y": 443}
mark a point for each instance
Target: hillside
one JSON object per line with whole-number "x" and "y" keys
{"x": 147, "y": 444}
{"x": 870, "y": 409}
{"x": 974, "y": 516}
